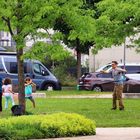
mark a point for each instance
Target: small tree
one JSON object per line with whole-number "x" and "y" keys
{"x": 22, "y": 18}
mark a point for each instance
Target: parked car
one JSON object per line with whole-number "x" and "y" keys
{"x": 130, "y": 67}
{"x": 133, "y": 69}
{"x": 104, "y": 82}
{"x": 40, "y": 75}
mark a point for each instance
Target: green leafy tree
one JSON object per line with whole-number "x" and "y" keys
{"x": 78, "y": 27}
{"x": 137, "y": 45}
{"x": 42, "y": 50}
{"x": 22, "y": 18}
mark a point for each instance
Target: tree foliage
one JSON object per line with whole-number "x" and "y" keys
{"x": 75, "y": 22}
{"x": 40, "y": 50}
{"x": 117, "y": 19}
{"x": 78, "y": 27}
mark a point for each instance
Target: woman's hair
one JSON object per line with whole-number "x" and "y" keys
{"x": 7, "y": 81}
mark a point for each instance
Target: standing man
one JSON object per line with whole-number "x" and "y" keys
{"x": 117, "y": 74}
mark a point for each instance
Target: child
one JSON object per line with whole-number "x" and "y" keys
{"x": 28, "y": 90}
{"x": 7, "y": 91}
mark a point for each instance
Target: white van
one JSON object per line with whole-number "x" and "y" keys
{"x": 133, "y": 69}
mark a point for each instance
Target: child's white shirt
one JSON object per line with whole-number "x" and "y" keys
{"x": 6, "y": 90}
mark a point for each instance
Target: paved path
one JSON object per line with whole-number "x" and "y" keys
{"x": 110, "y": 134}
{"x": 125, "y": 95}
{"x": 43, "y": 95}
{"x": 84, "y": 96}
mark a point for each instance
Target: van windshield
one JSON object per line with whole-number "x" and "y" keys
{"x": 105, "y": 68}
{"x": 39, "y": 69}
{"x": 11, "y": 65}
{"x": 1, "y": 66}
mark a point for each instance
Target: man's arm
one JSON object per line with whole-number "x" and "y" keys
{"x": 103, "y": 71}
{"x": 121, "y": 70}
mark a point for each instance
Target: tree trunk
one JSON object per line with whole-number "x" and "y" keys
{"x": 78, "y": 65}
{"x": 21, "y": 95}
{"x": 78, "y": 59}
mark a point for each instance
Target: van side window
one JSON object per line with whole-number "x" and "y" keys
{"x": 39, "y": 69}
{"x": 11, "y": 65}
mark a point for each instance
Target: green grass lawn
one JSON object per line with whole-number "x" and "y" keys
{"x": 96, "y": 109}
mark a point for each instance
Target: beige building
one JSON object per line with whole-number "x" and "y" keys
{"x": 115, "y": 53}
{"x": 6, "y": 41}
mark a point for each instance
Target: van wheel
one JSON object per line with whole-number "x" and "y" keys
{"x": 97, "y": 88}
{"x": 49, "y": 87}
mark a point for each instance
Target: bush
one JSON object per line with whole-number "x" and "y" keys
{"x": 65, "y": 78}
{"x": 61, "y": 70}
{"x": 45, "y": 126}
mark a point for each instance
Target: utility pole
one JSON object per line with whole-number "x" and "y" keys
{"x": 124, "y": 54}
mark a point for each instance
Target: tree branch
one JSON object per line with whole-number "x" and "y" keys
{"x": 7, "y": 20}
{"x": 4, "y": 19}
{"x": 9, "y": 26}
{"x": 48, "y": 33}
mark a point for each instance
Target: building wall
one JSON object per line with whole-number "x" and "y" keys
{"x": 6, "y": 40}
{"x": 115, "y": 53}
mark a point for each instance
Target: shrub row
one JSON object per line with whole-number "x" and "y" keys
{"x": 45, "y": 126}
{"x": 65, "y": 78}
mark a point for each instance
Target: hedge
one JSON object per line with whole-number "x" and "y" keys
{"x": 46, "y": 126}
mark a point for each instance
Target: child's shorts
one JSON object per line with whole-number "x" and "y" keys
{"x": 30, "y": 98}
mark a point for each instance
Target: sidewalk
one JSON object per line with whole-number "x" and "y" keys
{"x": 85, "y": 96}
{"x": 43, "y": 95}
{"x": 124, "y": 95}
{"x": 128, "y": 133}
